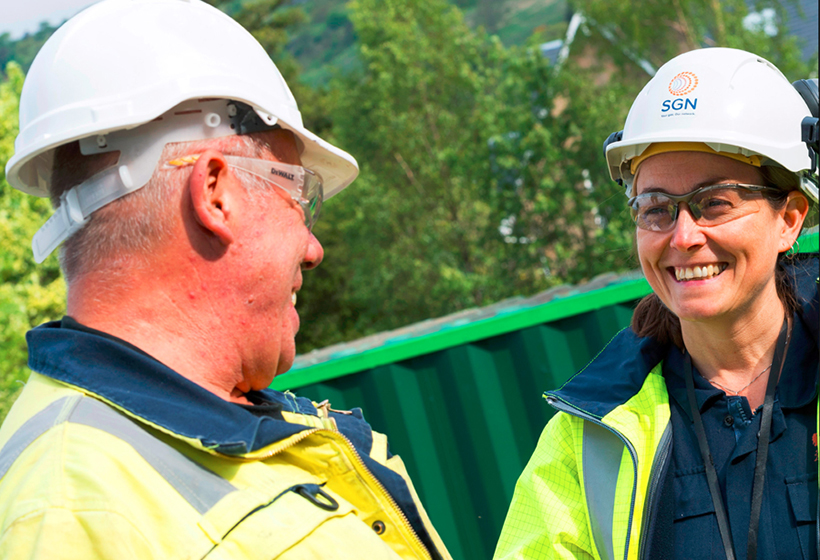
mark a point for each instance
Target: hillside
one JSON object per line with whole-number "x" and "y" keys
{"x": 326, "y": 43}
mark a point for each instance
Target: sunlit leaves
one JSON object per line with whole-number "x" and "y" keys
{"x": 30, "y": 294}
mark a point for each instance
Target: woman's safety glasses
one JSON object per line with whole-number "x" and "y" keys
{"x": 303, "y": 185}
{"x": 710, "y": 206}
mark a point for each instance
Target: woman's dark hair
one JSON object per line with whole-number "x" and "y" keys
{"x": 653, "y": 319}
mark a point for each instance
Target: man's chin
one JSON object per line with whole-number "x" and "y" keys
{"x": 284, "y": 364}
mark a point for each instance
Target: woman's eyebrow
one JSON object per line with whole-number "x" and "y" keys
{"x": 707, "y": 183}
{"x": 714, "y": 181}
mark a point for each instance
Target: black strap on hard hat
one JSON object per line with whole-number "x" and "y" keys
{"x": 611, "y": 139}
{"x": 810, "y": 127}
{"x": 808, "y": 90}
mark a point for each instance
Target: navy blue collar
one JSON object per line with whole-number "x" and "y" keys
{"x": 136, "y": 382}
{"x": 614, "y": 376}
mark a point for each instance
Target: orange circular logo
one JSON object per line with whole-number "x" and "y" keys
{"x": 683, "y": 83}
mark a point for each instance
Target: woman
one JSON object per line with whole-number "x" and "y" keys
{"x": 654, "y": 452}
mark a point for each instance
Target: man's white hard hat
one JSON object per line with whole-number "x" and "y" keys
{"x": 733, "y": 101}
{"x": 122, "y": 64}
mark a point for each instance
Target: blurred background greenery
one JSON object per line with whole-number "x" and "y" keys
{"x": 478, "y": 126}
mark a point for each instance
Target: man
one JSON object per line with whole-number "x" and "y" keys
{"x": 185, "y": 189}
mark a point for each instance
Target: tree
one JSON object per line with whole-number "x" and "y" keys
{"x": 482, "y": 171}
{"x": 490, "y": 13}
{"x": 417, "y": 236}
{"x": 30, "y": 294}
{"x": 23, "y": 50}
{"x": 661, "y": 29}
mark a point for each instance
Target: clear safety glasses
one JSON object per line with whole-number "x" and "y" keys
{"x": 303, "y": 185}
{"x": 710, "y": 206}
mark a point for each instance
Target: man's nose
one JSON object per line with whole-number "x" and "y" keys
{"x": 314, "y": 255}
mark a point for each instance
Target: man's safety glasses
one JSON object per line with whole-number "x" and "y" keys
{"x": 303, "y": 185}
{"x": 710, "y": 206}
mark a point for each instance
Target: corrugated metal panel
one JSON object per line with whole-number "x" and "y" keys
{"x": 460, "y": 397}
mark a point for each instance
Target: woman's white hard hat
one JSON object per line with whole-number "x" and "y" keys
{"x": 121, "y": 64}
{"x": 733, "y": 101}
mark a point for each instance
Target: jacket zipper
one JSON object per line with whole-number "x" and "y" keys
{"x": 563, "y": 406}
{"x": 276, "y": 449}
{"x": 658, "y": 467}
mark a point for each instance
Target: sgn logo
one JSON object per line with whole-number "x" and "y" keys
{"x": 681, "y": 85}
{"x": 679, "y": 104}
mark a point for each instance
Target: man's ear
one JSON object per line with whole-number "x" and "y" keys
{"x": 212, "y": 187}
{"x": 793, "y": 214}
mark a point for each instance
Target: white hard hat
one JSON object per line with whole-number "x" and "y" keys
{"x": 121, "y": 64}
{"x": 733, "y": 101}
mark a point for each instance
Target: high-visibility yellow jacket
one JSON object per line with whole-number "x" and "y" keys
{"x": 591, "y": 488}
{"x": 101, "y": 457}
{"x": 584, "y": 491}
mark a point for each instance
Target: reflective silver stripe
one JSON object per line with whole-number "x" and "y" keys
{"x": 33, "y": 428}
{"x": 199, "y": 486}
{"x": 202, "y": 488}
{"x": 602, "y": 453}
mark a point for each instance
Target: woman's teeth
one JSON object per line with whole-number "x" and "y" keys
{"x": 699, "y": 272}
{"x": 293, "y": 299}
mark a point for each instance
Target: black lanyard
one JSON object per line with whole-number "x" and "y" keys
{"x": 762, "y": 451}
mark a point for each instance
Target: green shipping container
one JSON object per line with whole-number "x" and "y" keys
{"x": 460, "y": 397}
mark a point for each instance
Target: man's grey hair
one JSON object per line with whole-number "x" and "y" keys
{"x": 130, "y": 228}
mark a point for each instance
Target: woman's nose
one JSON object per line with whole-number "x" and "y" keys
{"x": 686, "y": 233}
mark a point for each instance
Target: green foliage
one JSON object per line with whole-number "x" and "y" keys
{"x": 420, "y": 226}
{"x": 552, "y": 178}
{"x": 325, "y": 44}
{"x": 482, "y": 173}
{"x": 30, "y": 294}
{"x": 269, "y": 22}
{"x": 662, "y": 29}
{"x": 490, "y": 13}
{"x": 23, "y": 50}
